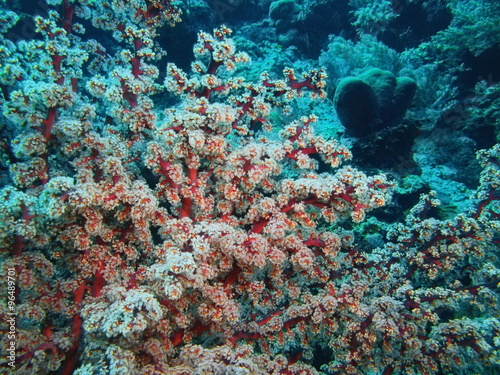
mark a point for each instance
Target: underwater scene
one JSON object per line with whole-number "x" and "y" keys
{"x": 231, "y": 187}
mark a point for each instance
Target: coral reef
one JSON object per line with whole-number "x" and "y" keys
{"x": 155, "y": 221}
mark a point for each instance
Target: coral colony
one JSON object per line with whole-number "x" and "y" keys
{"x": 196, "y": 237}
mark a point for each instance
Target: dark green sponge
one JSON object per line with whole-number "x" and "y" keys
{"x": 372, "y": 101}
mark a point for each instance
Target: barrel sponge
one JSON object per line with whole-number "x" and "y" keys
{"x": 357, "y": 106}
{"x": 403, "y": 95}
{"x": 373, "y": 100}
